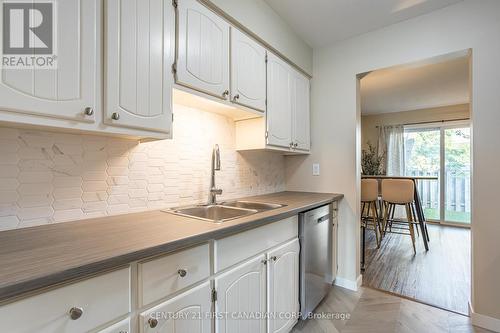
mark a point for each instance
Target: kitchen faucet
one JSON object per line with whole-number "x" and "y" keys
{"x": 212, "y": 196}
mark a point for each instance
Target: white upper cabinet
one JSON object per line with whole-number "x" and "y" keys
{"x": 300, "y": 111}
{"x": 203, "y": 49}
{"x": 248, "y": 71}
{"x": 69, "y": 89}
{"x": 283, "y": 292}
{"x": 279, "y": 111}
{"x": 140, "y": 48}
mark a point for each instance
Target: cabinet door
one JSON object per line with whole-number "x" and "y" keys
{"x": 140, "y": 47}
{"x": 203, "y": 49}
{"x": 300, "y": 111}
{"x": 283, "y": 292}
{"x": 187, "y": 313}
{"x": 248, "y": 71}
{"x": 121, "y": 327}
{"x": 68, "y": 89}
{"x": 279, "y": 111}
{"x": 240, "y": 292}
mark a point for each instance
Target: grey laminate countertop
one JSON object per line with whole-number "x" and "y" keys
{"x": 38, "y": 257}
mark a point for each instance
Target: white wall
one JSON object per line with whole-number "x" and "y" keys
{"x": 335, "y": 121}
{"x": 48, "y": 177}
{"x": 261, "y": 19}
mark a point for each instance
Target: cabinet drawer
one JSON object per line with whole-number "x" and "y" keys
{"x": 120, "y": 327}
{"x": 163, "y": 276}
{"x": 100, "y": 300}
{"x": 234, "y": 249}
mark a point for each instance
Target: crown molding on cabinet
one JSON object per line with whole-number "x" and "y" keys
{"x": 247, "y": 31}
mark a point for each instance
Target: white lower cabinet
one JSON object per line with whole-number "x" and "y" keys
{"x": 283, "y": 287}
{"x": 161, "y": 277}
{"x": 188, "y": 312}
{"x": 241, "y": 292}
{"x": 237, "y": 248}
{"x": 120, "y": 327}
{"x": 250, "y": 280}
{"x": 78, "y": 307}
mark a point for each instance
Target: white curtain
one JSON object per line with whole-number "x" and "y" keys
{"x": 391, "y": 146}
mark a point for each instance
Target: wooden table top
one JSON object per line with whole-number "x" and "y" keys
{"x": 399, "y": 177}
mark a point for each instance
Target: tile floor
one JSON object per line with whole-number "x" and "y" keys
{"x": 374, "y": 311}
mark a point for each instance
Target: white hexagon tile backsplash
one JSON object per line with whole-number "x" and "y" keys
{"x": 48, "y": 177}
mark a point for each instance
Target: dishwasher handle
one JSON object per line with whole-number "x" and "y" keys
{"x": 323, "y": 218}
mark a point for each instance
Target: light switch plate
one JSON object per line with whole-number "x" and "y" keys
{"x": 315, "y": 169}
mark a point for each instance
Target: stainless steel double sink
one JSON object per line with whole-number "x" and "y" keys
{"x": 224, "y": 211}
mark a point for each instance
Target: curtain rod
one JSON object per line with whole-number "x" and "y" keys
{"x": 430, "y": 122}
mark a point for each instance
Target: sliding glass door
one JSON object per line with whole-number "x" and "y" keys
{"x": 441, "y": 151}
{"x": 423, "y": 159}
{"x": 457, "y": 200}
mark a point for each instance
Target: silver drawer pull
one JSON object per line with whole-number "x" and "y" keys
{"x": 88, "y": 111}
{"x": 182, "y": 272}
{"x": 152, "y": 322}
{"x": 75, "y": 313}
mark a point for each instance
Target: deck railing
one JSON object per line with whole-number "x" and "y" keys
{"x": 457, "y": 190}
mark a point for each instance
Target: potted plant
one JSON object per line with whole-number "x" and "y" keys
{"x": 371, "y": 163}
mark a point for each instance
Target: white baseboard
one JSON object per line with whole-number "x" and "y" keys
{"x": 349, "y": 284}
{"x": 483, "y": 321}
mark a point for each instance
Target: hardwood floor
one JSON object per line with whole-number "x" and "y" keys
{"x": 372, "y": 311}
{"x": 440, "y": 277}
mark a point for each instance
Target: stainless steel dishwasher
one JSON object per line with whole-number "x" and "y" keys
{"x": 315, "y": 232}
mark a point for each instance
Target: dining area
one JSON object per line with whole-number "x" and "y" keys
{"x": 405, "y": 253}
{"x": 415, "y": 190}
{"x": 391, "y": 204}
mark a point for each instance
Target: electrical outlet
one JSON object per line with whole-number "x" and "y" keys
{"x": 315, "y": 169}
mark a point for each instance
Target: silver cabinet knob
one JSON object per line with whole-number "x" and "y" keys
{"x": 152, "y": 322}
{"x": 291, "y": 144}
{"x": 115, "y": 116}
{"x": 295, "y": 144}
{"x": 75, "y": 313}
{"x": 225, "y": 93}
{"x": 274, "y": 258}
{"x": 236, "y": 97}
{"x": 182, "y": 272}
{"x": 88, "y": 111}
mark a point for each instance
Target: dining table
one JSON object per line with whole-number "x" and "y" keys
{"x": 418, "y": 207}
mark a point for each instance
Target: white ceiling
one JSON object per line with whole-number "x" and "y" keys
{"x": 322, "y": 22}
{"x": 416, "y": 87}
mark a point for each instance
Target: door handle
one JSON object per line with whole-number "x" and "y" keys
{"x": 323, "y": 218}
